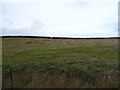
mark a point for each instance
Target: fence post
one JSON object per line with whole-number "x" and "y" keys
{"x": 11, "y": 78}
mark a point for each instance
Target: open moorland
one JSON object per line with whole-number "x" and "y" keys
{"x": 60, "y": 63}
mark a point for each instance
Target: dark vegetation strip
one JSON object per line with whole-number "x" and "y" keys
{"x": 59, "y": 37}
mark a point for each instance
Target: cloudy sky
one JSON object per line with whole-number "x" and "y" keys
{"x": 66, "y": 18}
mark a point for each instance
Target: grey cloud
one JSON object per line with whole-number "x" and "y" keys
{"x": 22, "y": 31}
{"x": 7, "y": 22}
{"x": 36, "y": 25}
{"x": 81, "y": 3}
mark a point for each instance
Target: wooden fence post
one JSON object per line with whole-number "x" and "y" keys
{"x": 11, "y": 78}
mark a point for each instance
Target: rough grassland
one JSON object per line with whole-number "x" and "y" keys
{"x": 60, "y": 63}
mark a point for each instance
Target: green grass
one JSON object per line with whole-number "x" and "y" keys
{"x": 43, "y": 63}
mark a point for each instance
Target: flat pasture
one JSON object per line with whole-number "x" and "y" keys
{"x": 60, "y": 63}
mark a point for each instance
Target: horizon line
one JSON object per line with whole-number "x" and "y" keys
{"x": 20, "y": 36}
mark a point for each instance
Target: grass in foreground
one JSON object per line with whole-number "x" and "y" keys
{"x": 43, "y": 63}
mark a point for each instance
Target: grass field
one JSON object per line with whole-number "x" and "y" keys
{"x": 60, "y": 63}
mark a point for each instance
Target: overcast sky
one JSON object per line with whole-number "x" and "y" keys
{"x": 67, "y": 18}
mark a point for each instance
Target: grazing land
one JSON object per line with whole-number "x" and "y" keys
{"x": 60, "y": 63}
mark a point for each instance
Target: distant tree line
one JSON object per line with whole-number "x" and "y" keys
{"x": 59, "y": 37}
